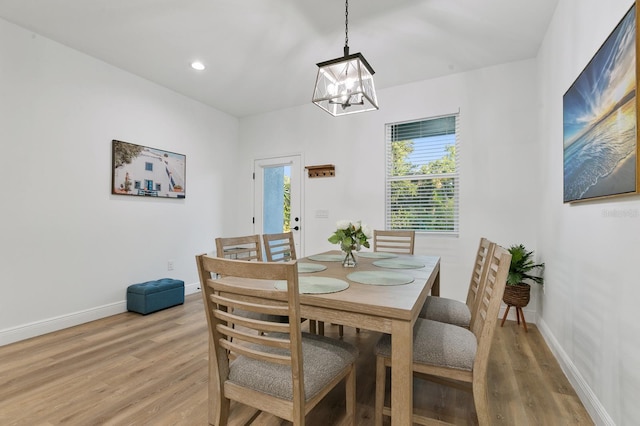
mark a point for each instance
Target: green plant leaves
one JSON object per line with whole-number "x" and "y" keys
{"x": 521, "y": 264}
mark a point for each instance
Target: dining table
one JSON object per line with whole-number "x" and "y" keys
{"x": 384, "y": 292}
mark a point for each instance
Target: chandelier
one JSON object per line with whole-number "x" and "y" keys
{"x": 345, "y": 85}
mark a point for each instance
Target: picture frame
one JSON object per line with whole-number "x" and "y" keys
{"x": 600, "y": 118}
{"x": 138, "y": 170}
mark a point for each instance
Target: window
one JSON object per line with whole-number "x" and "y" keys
{"x": 148, "y": 167}
{"x": 422, "y": 175}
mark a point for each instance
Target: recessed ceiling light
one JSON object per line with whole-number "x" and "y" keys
{"x": 197, "y": 65}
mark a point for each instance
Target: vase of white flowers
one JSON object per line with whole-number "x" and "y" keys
{"x": 351, "y": 235}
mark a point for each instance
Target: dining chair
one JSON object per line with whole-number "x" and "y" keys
{"x": 452, "y": 355}
{"x": 281, "y": 248}
{"x": 453, "y": 311}
{"x": 246, "y": 247}
{"x": 278, "y": 370}
{"x": 394, "y": 241}
{"x": 391, "y": 242}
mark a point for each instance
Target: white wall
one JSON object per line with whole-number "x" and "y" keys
{"x": 69, "y": 248}
{"x": 498, "y": 115}
{"x": 591, "y": 249}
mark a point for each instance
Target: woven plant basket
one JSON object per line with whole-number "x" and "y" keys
{"x": 517, "y": 295}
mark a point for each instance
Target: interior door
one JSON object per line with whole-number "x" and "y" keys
{"x": 278, "y": 197}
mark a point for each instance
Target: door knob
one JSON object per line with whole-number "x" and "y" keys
{"x": 296, "y": 228}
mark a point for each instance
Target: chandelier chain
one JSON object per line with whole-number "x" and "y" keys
{"x": 346, "y": 24}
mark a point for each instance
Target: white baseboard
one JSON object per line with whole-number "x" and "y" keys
{"x": 191, "y": 288}
{"x": 592, "y": 404}
{"x": 49, "y": 325}
{"x": 38, "y": 328}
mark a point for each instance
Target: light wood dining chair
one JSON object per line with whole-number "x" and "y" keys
{"x": 281, "y": 248}
{"x": 246, "y": 247}
{"x": 452, "y": 355}
{"x": 394, "y": 241}
{"x": 401, "y": 242}
{"x": 454, "y": 311}
{"x": 279, "y": 370}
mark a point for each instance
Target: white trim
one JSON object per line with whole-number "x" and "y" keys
{"x": 590, "y": 401}
{"x": 38, "y": 328}
{"x": 26, "y": 331}
{"x": 192, "y": 288}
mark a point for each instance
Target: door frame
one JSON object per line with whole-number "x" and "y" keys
{"x": 296, "y": 162}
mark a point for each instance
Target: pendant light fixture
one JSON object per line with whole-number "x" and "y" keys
{"x": 345, "y": 85}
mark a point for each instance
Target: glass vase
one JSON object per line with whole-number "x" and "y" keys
{"x": 349, "y": 260}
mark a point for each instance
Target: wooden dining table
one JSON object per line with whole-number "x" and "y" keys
{"x": 391, "y": 309}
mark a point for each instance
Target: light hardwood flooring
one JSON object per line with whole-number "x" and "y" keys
{"x": 130, "y": 369}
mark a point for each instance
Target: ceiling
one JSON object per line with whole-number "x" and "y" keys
{"x": 261, "y": 55}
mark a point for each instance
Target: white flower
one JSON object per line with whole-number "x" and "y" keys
{"x": 367, "y": 231}
{"x": 343, "y": 224}
{"x": 357, "y": 225}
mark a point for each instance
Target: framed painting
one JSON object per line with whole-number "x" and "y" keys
{"x": 600, "y": 117}
{"x": 149, "y": 172}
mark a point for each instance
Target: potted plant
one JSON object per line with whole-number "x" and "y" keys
{"x": 517, "y": 292}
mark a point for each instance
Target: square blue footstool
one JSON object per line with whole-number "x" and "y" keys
{"x": 152, "y": 296}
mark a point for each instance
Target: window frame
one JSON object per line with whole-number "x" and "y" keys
{"x": 424, "y": 222}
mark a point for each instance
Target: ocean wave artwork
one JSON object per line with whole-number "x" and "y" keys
{"x": 599, "y": 120}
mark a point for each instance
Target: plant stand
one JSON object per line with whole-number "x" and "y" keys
{"x": 518, "y": 296}
{"x": 519, "y": 314}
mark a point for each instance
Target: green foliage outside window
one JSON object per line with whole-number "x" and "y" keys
{"x": 424, "y": 196}
{"x": 287, "y": 204}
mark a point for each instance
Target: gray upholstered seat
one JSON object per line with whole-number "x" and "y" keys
{"x": 260, "y": 361}
{"x": 452, "y": 311}
{"x": 452, "y": 355}
{"x": 323, "y": 359}
{"x": 446, "y": 310}
{"x": 439, "y": 344}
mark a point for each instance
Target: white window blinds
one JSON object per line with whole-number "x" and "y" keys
{"x": 422, "y": 175}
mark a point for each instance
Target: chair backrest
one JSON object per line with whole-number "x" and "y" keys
{"x": 279, "y": 247}
{"x": 480, "y": 269}
{"x": 394, "y": 241}
{"x": 242, "y": 248}
{"x": 236, "y": 289}
{"x": 486, "y": 315}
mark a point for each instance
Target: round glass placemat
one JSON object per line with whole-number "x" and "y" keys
{"x": 327, "y": 257}
{"x": 376, "y": 255}
{"x": 316, "y": 285}
{"x": 380, "y": 277}
{"x": 399, "y": 264}
{"x": 310, "y": 267}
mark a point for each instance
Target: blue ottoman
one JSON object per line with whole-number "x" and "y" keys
{"x": 152, "y": 296}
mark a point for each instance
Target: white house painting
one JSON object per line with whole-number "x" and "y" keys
{"x": 140, "y": 170}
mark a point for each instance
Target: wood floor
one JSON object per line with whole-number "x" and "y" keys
{"x": 130, "y": 369}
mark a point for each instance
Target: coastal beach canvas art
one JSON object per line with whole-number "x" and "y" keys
{"x": 149, "y": 172}
{"x": 600, "y": 120}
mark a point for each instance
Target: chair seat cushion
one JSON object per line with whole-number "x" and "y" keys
{"x": 437, "y": 343}
{"x": 446, "y": 310}
{"x": 323, "y": 359}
